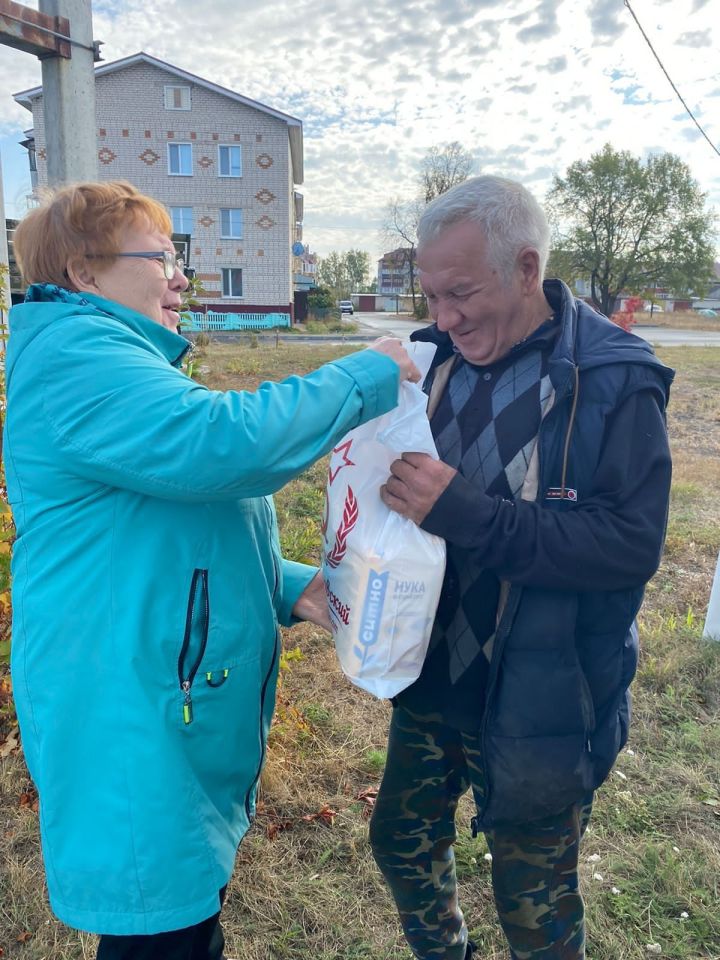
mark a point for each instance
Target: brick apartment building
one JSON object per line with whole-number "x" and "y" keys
{"x": 225, "y": 166}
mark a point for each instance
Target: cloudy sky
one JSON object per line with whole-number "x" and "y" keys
{"x": 527, "y": 86}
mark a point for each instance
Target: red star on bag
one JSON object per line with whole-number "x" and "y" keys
{"x": 340, "y": 458}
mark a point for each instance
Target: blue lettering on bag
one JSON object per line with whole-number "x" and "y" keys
{"x": 371, "y": 614}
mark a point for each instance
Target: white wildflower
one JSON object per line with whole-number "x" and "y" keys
{"x": 676, "y": 849}
{"x": 593, "y": 858}
{"x": 615, "y": 891}
{"x": 619, "y": 773}
{"x": 684, "y": 915}
{"x": 488, "y": 857}
{"x": 629, "y": 752}
{"x": 599, "y": 877}
{"x": 653, "y": 948}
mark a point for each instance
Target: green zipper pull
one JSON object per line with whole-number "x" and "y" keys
{"x": 187, "y": 705}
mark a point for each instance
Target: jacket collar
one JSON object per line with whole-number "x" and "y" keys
{"x": 170, "y": 344}
{"x": 586, "y": 339}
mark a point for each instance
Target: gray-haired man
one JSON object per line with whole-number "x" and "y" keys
{"x": 551, "y": 491}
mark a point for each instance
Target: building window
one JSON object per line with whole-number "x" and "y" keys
{"x": 231, "y": 282}
{"x": 231, "y": 223}
{"x": 182, "y": 219}
{"x": 180, "y": 159}
{"x": 177, "y": 98}
{"x": 230, "y": 161}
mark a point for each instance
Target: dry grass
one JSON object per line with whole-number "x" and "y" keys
{"x": 308, "y": 889}
{"x": 679, "y": 320}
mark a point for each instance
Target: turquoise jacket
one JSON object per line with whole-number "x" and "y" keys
{"x": 147, "y": 590}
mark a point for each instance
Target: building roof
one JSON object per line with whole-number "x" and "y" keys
{"x": 295, "y": 128}
{"x": 398, "y": 255}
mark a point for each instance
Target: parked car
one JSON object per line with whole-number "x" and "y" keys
{"x": 707, "y": 312}
{"x": 346, "y": 306}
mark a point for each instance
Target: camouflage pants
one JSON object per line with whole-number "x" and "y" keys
{"x": 412, "y": 831}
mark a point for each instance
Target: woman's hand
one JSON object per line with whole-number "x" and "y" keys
{"x": 312, "y": 603}
{"x": 393, "y": 348}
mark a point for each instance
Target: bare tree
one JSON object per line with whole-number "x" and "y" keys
{"x": 400, "y": 224}
{"x": 443, "y": 167}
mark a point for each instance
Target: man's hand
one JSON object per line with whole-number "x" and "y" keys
{"x": 312, "y": 603}
{"x": 415, "y": 484}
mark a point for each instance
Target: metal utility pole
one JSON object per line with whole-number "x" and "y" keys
{"x": 60, "y": 34}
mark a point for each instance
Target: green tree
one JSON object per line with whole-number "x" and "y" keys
{"x": 624, "y": 224}
{"x": 358, "y": 268}
{"x": 344, "y": 273}
{"x": 320, "y": 298}
{"x": 333, "y": 274}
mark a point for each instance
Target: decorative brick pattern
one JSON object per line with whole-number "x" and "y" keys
{"x": 214, "y": 277}
{"x": 265, "y": 222}
{"x": 132, "y": 98}
{"x": 149, "y": 157}
{"x": 205, "y": 162}
{"x": 106, "y": 156}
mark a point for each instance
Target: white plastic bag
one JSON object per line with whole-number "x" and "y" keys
{"x": 383, "y": 574}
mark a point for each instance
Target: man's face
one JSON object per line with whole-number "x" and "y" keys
{"x": 467, "y": 298}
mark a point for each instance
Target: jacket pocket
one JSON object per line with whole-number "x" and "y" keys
{"x": 197, "y": 624}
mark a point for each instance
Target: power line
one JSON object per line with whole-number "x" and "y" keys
{"x": 677, "y": 92}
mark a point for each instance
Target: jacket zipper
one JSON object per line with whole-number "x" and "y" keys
{"x": 508, "y": 616}
{"x": 568, "y": 434}
{"x": 255, "y": 779}
{"x": 186, "y": 677}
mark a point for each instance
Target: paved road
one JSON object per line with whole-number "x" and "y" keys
{"x": 666, "y": 337}
{"x": 373, "y": 325}
{"x": 384, "y": 324}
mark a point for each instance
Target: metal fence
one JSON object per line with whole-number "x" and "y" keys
{"x": 211, "y": 321}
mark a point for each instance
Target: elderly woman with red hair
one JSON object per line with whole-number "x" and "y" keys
{"x": 148, "y": 583}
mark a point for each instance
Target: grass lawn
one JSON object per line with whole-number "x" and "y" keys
{"x": 306, "y": 887}
{"x": 678, "y": 320}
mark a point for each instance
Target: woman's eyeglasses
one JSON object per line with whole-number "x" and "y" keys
{"x": 170, "y": 260}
